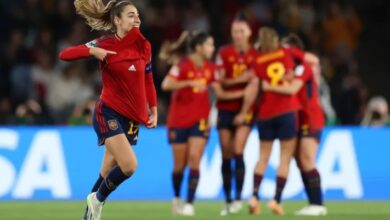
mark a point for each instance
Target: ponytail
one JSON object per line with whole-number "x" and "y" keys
{"x": 171, "y": 52}
{"x": 99, "y": 15}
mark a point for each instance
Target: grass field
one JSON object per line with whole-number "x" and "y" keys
{"x": 161, "y": 210}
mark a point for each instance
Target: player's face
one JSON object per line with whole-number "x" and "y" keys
{"x": 129, "y": 18}
{"x": 240, "y": 32}
{"x": 207, "y": 48}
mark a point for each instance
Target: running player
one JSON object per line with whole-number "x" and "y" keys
{"x": 277, "y": 115}
{"x": 233, "y": 61}
{"x": 188, "y": 128}
{"x": 128, "y": 90}
{"x": 311, "y": 121}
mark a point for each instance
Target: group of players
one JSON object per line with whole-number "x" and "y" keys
{"x": 274, "y": 82}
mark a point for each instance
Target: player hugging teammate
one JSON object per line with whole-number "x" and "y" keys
{"x": 276, "y": 81}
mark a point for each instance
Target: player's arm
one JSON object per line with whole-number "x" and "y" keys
{"x": 85, "y": 51}
{"x": 304, "y": 56}
{"x": 289, "y": 89}
{"x": 244, "y": 78}
{"x": 150, "y": 89}
{"x": 225, "y": 95}
{"x": 250, "y": 94}
{"x": 170, "y": 83}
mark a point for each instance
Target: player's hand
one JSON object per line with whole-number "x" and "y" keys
{"x": 100, "y": 53}
{"x": 198, "y": 85}
{"x": 152, "y": 122}
{"x": 239, "y": 119}
{"x": 265, "y": 85}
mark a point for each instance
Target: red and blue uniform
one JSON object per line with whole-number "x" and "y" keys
{"x": 311, "y": 116}
{"x": 128, "y": 87}
{"x": 189, "y": 108}
{"x": 233, "y": 63}
{"x": 277, "y": 112}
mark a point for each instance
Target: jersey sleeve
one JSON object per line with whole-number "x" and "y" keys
{"x": 150, "y": 88}
{"x": 219, "y": 61}
{"x": 78, "y": 52}
{"x": 303, "y": 72}
{"x": 174, "y": 72}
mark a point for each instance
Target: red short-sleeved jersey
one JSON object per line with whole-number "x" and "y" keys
{"x": 313, "y": 115}
{"x": 272, "y": 67}
{"x": 234, "y": 64}
{"x": 127, "y": 78}
{"x": 188, "y": 105}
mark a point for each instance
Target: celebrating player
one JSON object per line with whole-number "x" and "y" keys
{"x": 128, "y": 90}
{"x": 188, "y": 128}
{"x": 311, "y": 121}
{"x": 277, "y": 114}
{"x": 233, "y": 61}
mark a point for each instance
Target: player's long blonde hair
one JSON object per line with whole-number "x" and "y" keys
{"x": 100, "y": 14}
{"x": 172, "y": 52}
{"x": 268, "y": 39}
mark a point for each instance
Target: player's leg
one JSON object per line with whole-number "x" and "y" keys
{"x": 287, "y": 133}
{"x": 226, "y": 143}
{"x": 196, "y": 146}
{"x": 179, "y": 151}
{"x": 261, "y": 165}
{"x": 225, "y": 140}
{"x": 108, "y": 163}
{"x": 240, "y": 140}
{"x": 311, "y": 177}
{"x": 266, "y": 136}
{"x": 125, "y": 157}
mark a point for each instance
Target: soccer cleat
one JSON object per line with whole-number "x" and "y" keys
{"x": 187, "y": 210}
{"x": 176, "y": 206}
{"x": 254, "y": 206}
{"x": 231, "y": 208}
{"x": 94, "y": 207}
{"x": 236, "y": 207}
{"x": 85, "y": 216}
{"x": 312, "y": 210}
{"x": 275, "y": 207}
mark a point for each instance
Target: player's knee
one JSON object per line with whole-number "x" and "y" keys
{"x": 130, "y": 167}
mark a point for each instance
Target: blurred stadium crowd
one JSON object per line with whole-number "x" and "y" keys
{"x": 37, "y": 88}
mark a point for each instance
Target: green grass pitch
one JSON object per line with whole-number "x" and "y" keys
{"x": 143, "y": 210}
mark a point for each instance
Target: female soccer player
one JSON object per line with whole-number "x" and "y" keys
{"x": 128, "y": 90}
{"x": 233, "y": 61}
{"x": 277, "y": 114}
{"x": 188, "y": 128}
{"x": 311, "y": 121}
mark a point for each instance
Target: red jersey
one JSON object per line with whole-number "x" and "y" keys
{"x": 234, "y": 63}
{"x": 272, "y": 67}
{"x": 127, "y": 77}
{"x": 188, "y": 105}
{"x": 311, "y": 112}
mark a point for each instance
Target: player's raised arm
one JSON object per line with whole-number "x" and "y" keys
{"x": 83, "y": 51}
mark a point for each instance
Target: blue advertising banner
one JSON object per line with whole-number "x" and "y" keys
{"x": 61, "y": 163}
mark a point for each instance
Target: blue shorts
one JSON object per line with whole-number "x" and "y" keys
{"x": 108, "y": 123}
{"x": 282, "y": 127}
{"x": 226, "y": 120}
{"x": 181, "y": 135}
